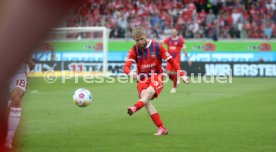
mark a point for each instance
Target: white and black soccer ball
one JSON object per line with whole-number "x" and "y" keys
{"x": 82, "y": 97}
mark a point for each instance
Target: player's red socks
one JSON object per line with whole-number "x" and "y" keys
{"x": 171, "y": 76}
{"x": 174, "y": 81}
{"x": 157, "y": 120}
{"x": 138, "y": 105}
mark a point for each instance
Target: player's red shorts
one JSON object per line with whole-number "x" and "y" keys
{"x": 155, "y": 81}
{"x": 169, "y": 66}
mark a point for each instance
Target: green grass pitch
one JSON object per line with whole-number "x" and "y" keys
{"x": 237, "y": 117}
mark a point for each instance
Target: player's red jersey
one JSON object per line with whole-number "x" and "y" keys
{"x": 149, "y": 59}
{"x": 174, "y": 47}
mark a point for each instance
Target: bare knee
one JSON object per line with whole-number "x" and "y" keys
{"x": 147, "y": 95}
{"x": 147, "y": 105}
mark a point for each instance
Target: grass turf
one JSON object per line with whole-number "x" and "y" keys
{"x": 237, "y": 117}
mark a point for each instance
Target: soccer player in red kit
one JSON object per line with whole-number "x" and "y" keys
{"x": 175, "y": 44}
{"x": 148, "y": 55}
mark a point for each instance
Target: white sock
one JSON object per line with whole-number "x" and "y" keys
{"x": 13, "y": 122}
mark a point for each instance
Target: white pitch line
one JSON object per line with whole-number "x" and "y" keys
{"x": 33, "y": 91}
{"x": 215, "y": 94}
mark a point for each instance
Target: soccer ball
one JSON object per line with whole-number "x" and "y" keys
{"x": 82, "y": 97}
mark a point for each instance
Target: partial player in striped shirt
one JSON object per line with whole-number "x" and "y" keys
{"x": 18, "y": 84}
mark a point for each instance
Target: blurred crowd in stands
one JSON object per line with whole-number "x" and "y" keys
{"x": 192, "y": 18}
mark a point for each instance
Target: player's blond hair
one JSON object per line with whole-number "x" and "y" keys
{"x": 138, "y": 31}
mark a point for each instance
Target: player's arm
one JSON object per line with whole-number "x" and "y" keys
{"x": 186, "y": 55}
{"x": 166, "y": 41}
{"x": 183, "y": 46}
{"x": 166, "y": 56}
{"x": 31, "y": 63}
{"x": 128, "y": 63}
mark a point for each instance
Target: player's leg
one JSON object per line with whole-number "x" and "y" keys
{"x": 145, "y": 97}
{"x": 147, "y": 90}
{"x": 169, "y": 71}
{"x": 173, "y": 90}
{"x": 14, "y": 114}
{"x": 156, "y": 119}
{"x": 172, "y": 75}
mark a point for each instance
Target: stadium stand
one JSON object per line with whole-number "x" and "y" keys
{"x": 194, "y": 18}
